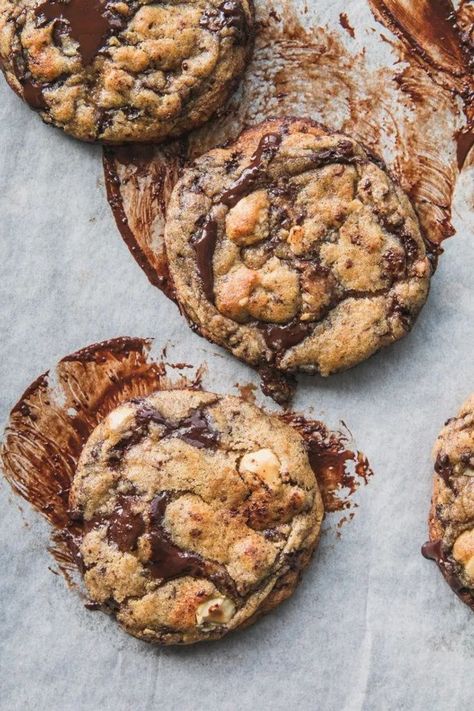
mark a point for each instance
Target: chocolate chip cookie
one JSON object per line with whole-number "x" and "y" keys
{"x": 125, "y": 71}
{"x": 198, "y": 513}
{"x": 451, "y": 523}
{"x": 294, "y": 247}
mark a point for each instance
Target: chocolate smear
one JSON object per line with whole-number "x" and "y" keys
{"x": 464, "y": 144}
{"x": 339, "y": 469}
{"x": 344, "y": 20}
{"x": 50, "y": 424}
{"x": 410, "y": 116}
{"x": 139, "y": 181}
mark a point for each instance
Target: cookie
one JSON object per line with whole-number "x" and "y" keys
{"x": 294, "y": 247}
{"x": 125, "y": 71}
{"x": 198, "y": 513}
{"x": 451, "y": 522}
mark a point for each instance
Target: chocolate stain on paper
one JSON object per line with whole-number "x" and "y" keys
{"x": 414, "y": 108}
{"x": 407, "y": 93}
{"x": 53, "y": 419}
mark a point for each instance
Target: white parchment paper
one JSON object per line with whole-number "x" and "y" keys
{"x": 373, "y": 625}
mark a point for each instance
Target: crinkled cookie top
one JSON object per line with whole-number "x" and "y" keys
{"x": 198, "y": 513}
{"x": 125, "y": 71}
{"x": 294, "y": 246}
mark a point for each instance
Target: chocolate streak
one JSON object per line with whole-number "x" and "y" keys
{"x": 167, "y": 560}
{"x": 255, "y": 171}
{"x": 204, "y": 246}
{"x": 127, "y": 168}
{"x": 205, "y": 242}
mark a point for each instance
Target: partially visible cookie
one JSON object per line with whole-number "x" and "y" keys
{"x": 294, "y": 247}
{"x": 451, "y": 523}
{"x": 199, "y": 513}
{"x": 113, "y": 71}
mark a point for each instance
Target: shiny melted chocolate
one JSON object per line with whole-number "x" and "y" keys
{"x": 205, "y": 241}
{"x": 280, "y": 338}
{"x": 195, "y": 429}
{"x": 436, "y": 551}
{"x": 33, "y": 94}
{"x": 167, "y": 560}
{"x": 124, "y": 524}
{"x": 89, "y": 23}
{"x": 204, "y": 245}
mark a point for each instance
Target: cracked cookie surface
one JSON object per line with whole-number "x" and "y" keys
{"x": 198, "y": 513}
{"x": 125, "y": 71}
{"x": 294, "y": 247}
{"x": 451, "y": 524}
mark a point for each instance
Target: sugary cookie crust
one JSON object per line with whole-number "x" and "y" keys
{"x": 125, "y": 71}
{"x": 294, "y": 247}
{"x": 199, "y": 513}
{"x": 451, "y": 522}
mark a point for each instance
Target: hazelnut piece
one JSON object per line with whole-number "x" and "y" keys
{"x": 263, "y": 463}
{"x": 215, "y": 611}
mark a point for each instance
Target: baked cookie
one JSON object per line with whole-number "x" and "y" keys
{"x": 199, "y": 513}
{"x": 451, "y": 523}
{"x": 294, "y": 247}
{"x": 113, "y": 71}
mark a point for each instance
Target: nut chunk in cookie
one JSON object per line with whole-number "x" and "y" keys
{"x": 294, "y": 247}
{"x": 198, "y": 513}
{"x": 451, "y": 523}
{"x": 125, "y": 71}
